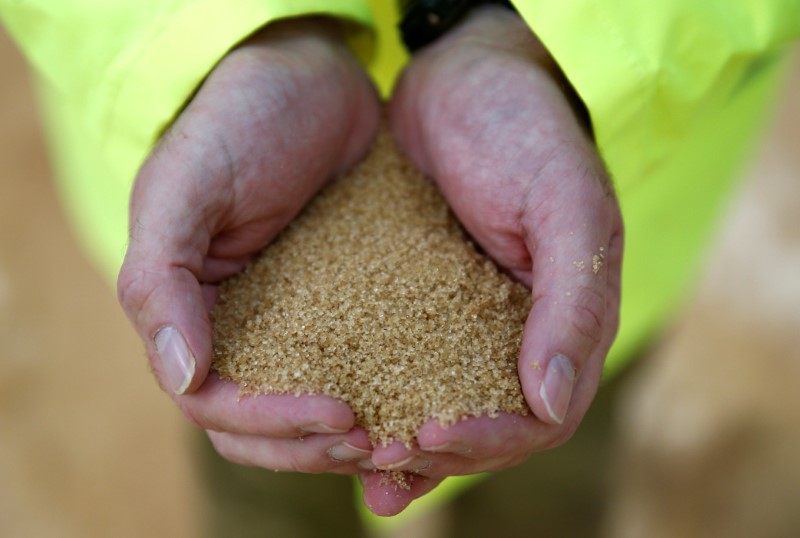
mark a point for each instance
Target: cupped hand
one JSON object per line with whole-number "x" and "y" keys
{"x": 280, "y": 115}
{"x": 485, "y": 112}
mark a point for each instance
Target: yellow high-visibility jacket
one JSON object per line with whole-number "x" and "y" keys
{"x": 675, "y": 91}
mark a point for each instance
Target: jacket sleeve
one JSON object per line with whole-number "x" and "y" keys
{"x": 676, "y": 91}
{"x": 112, "y": 75}
{"x": 655, "y": 71}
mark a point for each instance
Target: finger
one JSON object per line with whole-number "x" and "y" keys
{"x": 399, "y": 457}
{"x": 216, "y": 269}
{"x": 386, "y": 497}
{"x": 576, "y": 265}
{"x": 158, "y": 283}
{"x": 443, "y": 465}
{"x": 339, "y": 454}
{"x": 218, "y": 406}
{"x": 480, "y": 438}
{"x": 587, "y": 383}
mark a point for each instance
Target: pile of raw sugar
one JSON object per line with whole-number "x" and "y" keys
{"x": 374, "y": 295}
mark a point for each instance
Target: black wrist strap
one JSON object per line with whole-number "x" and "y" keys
{"x": 423, "y": 21}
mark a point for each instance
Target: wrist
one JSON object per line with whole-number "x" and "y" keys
{"x": 311, "y": 51}
{"x": 501, "y": 32}
{"x": 309, "y": 59}
{"x": 311, "y": 40}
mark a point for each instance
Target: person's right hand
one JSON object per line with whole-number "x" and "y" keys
{"x": 280, "y": 115}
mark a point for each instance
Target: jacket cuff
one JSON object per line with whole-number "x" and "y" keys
{"x": 181, "y": 49}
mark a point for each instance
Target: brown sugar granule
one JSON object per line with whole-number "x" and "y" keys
{"x": 397, "y": 479}
{"x": 374, "y": 295}
{"x": 597, "y": 262}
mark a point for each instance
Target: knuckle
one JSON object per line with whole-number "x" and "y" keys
{"x": 586, "y": 314}
{"x": 134, "y": 287}
{"x": 129, "y": 287}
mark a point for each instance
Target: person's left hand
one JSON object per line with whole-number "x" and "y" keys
{"x": 284, "y": 112}
{"x": 484, "y": 113}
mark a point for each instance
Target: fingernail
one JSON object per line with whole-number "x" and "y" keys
{"x": 320, "y": 427}
{"x": 419, "y": 465}
{"x": 344, "y": 451}
{"x": 411, "y": 463}
{"x": 176, "y": 359}
{"x": 395, "y": 465}
{"x": 453, "y": 448}
{"x": 556, "y": 387}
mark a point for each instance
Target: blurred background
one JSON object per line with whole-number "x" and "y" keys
{"x": 89, "y": 446}
{"x": 707, "y": 432}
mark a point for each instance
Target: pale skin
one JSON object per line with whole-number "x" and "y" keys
{"x": 481, "y": 113}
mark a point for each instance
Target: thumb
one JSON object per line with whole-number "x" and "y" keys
{"x": 158, "y": 285}
{"x": 574, "y": 315}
